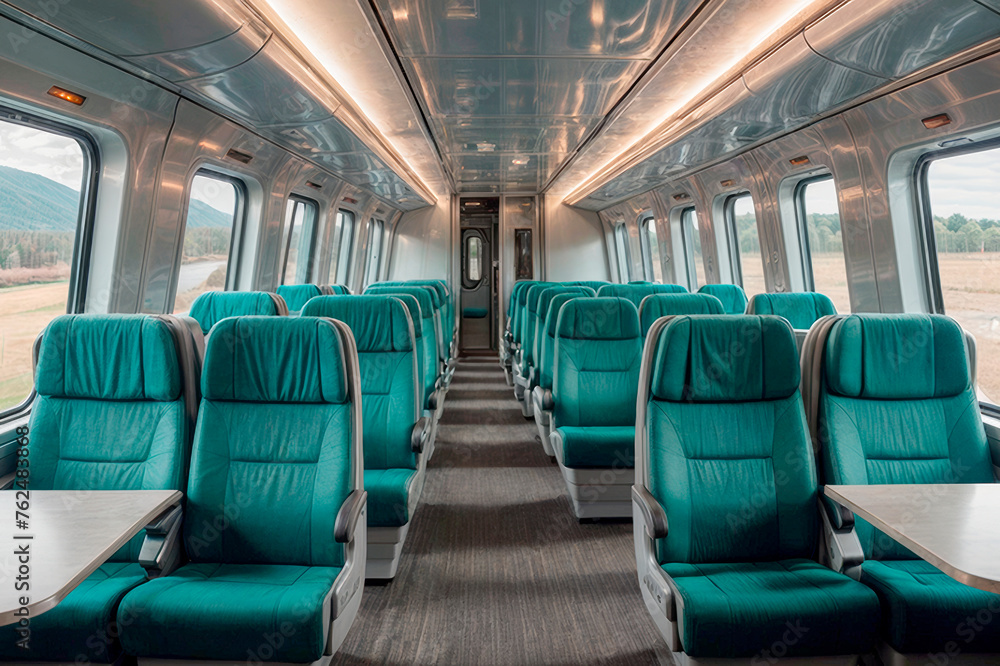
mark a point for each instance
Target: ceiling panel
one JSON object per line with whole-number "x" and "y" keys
{"x": 513, "y": 87}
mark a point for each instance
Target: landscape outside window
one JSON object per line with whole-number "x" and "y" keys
{"x": 41, "y": 184}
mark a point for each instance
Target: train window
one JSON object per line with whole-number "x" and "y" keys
{"x": 654, "y": 267}
{"x": 961, "y": 203}
{"x": 300, "y": 233}
{"x": 744, "y": 241}
{"x": 821, "y": 239}
{"x": 44, "y": 177}
{"x": 473, "y": 259}
{"x": 376, "y": 236}
{"x": 343, "y": 243}
{"x": 214, "y": 210}
{"x": 692, "y": 245}
{"x": 622, "y": 253}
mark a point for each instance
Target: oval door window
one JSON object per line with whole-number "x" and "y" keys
{"x": 473, "y": 260}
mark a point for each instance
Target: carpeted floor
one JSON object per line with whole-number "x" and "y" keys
{"x": 496, "y": 569}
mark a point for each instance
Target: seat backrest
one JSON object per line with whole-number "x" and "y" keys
{"x": 723, "y": 444}
{"x": 802, "y": 309}
{"x": 732, "y": 296}
{"x": 429, "y": 323}
{"x": 533, "y": 320}
{"x": 670, "y": 305}
{"x": 593, "y": 284}
{"x": 547, "y": 333}
{"x": 213, "y": 306}
{"x": 542, "y": 313}
{"x": 340, "y": 290}
{"x": 297, "y": 295}
{"x": 518, "y": 298}
{"x": 277, "y": 449}
{"x": 897, "y": 405}
{"x": 443, "y": 301}
{"x": 110, "y": 413}
{"x": 637, "y": 292}
{"x": 598, "y": 349}
{"x": 387, "y": 361}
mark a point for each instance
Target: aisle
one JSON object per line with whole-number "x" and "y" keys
{"x": 496, "y": 569}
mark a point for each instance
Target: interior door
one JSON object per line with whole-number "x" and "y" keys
{"x": 478, "y": 307}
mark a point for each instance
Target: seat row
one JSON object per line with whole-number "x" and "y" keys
{"x": 737, "y": 556}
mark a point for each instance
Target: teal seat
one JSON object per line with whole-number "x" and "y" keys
{"x": 670, "y": 305}
{"x": 897, "y": 404}
{"x": 726, "y": 514}
{"x": 732, "y": 296}
{"x": 443, "y": 300}
{"x": 637, "y": 292}
{"x": 532, "y": 323}
{"x": 437, "y": 313}
{"x": 276, "y": 462}
{"x": 213, "y": 306}
{"x": 598, "y": 347}
{"x": 593, "y": 284}
{"x": 514, "y": 310}
{"x": 111, "y": 414}
{"x": 297, "y": 295}
{"x": 394, "y": 432}
{"x": 801, "y": 309}
{"x": 340, "y": 290}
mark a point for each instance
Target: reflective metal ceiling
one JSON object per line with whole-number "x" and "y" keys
{"x": 512, "y": 87}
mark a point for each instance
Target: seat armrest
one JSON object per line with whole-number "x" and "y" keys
{"x": 840, "y": 516}
{"x": 420, "y": 434}
{"x": 7, "y": 481}
{"x": 347, "y": 517}
{"x": 160, "y": 553}
{"x": 653, "y": 515}
{"x": 542, "y": 400}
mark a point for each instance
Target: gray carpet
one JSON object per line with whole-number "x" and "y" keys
{"x": 496, "y": 569}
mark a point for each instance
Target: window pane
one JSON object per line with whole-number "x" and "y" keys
{"x": 343, "y": 239}
{"x": 41, "y": 181}
{"x": 694, "y": 246}
{"x": 300, "y": 215}
{"x": 474, "y": 247}
{"x": 654, "y": 251}
{"x": 375, "y": 234}
{"x": 826, "y": 247}
{"x": 621, "y": 248}
{"x": 747, "y": 241}
{"x": 208, "y": 234}
{"x": 965, "y": 201}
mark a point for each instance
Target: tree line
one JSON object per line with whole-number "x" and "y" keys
{"x": 35, "y": 249}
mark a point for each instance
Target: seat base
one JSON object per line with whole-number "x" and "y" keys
{"x": 890, "y": 657}
{"x": 598, "y": 492}
{"x": 681, "y": 659}
{"x": 385, "y": 547}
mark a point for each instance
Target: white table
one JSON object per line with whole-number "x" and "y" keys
{"x": 71, "y": 533}
{"x": 955, "y": 527}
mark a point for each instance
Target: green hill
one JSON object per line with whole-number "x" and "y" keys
{"x": 29, "y": 202}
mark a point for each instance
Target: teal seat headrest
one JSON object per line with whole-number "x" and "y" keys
{"x": 598, "y": 319}
{"x": 670, "y": 305}
{"x": 802, "y": 308}
{"x": 379, "y": 323}
{"x": 214, "y": 306}
{"x": 297, "y": 295}
{"x": 732, "y": 297}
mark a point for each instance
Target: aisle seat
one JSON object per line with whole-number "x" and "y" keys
{"x": 669, "y": 305}
{"x": 395, "y": 432}
{"x": 277, "y": 461}
{"x": 297, "y": 295}
{"x": 732, "y": 296}
{"x": 801, "y": 309}
{"x": 520, "y": 367}
{"x": 896, "y": 403}
{"x": 598, "y": 347}
{"x": 213, "y": 306}
{"x": 637, "y": 292}
{"x": 111, "y": 414}
{"x": 508, "y": 343}
{"x": 726, "y": 515}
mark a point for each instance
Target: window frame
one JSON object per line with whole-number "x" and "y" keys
{"x": 645, "y": 220}
{"x": 300, "y": 200}
{"x": 732, "y": 233}
{"x": 342, "y": 259}
{"x": 801, "y": 222}
{"x": 79, "y": 275}
{"x": 467, "y": 281}
{"x": 622, "y": 248}
{"x": 689, "y": 258}
{"x": 374, "y": 224}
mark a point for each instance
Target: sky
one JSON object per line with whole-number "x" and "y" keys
{"x": 51, "y": 155}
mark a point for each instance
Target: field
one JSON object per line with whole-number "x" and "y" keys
{"x": 24, "y": 312}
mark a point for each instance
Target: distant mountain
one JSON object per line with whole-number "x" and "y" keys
{"x": 29, "y": 202}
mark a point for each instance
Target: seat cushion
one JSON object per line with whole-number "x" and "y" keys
{"x": 82, "y": 624}
{"x": 788, "y": 608}
{"x": 601, "y": 447}
{"x": 244, "y": 612}
{"x": 389, "y": 496}
{"x": 924, "y": 609}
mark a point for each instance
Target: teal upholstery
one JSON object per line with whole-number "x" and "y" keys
{"x": 897, "y": 405}
{"x": 670, "y": 305}
{"x": 424, "y": 347}
{"x": 340, "y": 290}
{"x": 537, "y": 307}
{"x": 272, "y": 462}
{"x": 297, "y": 295}
{"x": 475, "y": 313}
{"x": 732, "y": 465}
{"x": 110, "y": 416}
{"x": 598, "y": 446}
{"x": 551, "y": 302}
{"x": 734, "y": 299}
{"x": 593, "y": 284}
{"x": 598, "y": 350}
{"x": 528, "y": 320}
{"x": 801, "y": 309}
{"x": 390, "y": 402}
{"x": 637, "y": 292}
{"x": 444, "y": 302}
{"x": 213, "y": 306}
{"x": 431, "y": 342}
{"x": 517, "y": 297}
